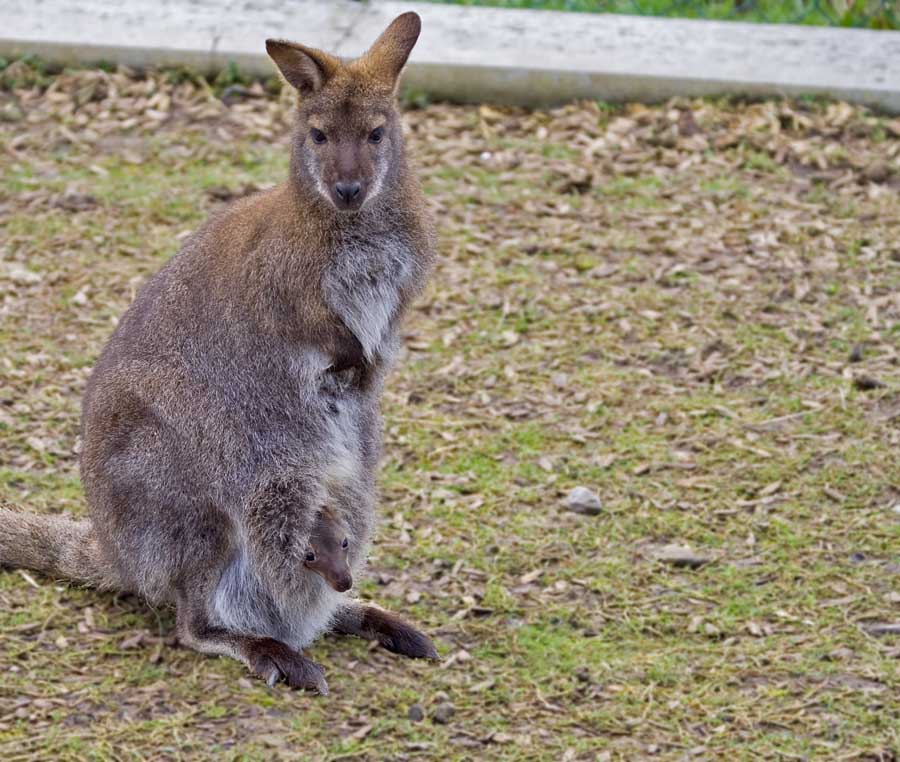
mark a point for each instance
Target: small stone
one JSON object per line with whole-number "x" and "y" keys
{"x": 584, "y": 501}
{"x": 72, "y": 201}
{"x": 867, "y": 383}
{"x": 508, "y": 338}
{"x": 11, "y": 112}
{"x": 443, "y": 712}
{"x": 18, "y": 274}
{"x": 676, "y": 555}
{"x": 416, "y": 713}
{"x": 877, "y": 172}
{"x": 37, "y": 444}
{"x": 271, "y": 740}
{"x": 883, "y": 628}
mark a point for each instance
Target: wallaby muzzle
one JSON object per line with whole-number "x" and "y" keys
{"x": 348, "y": 196}
{"x": 340, "y": 580}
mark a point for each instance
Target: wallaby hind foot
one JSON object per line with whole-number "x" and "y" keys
{"x": 388, "y": 629}
{"x": 274, "y": 661}
{"x": 267, "y": 658}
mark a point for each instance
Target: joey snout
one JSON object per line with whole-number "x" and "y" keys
{"x": 339, "y": 579}
{"x": 336, "y": 572}
{"x": 342, "y": 582}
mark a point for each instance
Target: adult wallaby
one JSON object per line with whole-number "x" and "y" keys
{"x": 238, "y": 398}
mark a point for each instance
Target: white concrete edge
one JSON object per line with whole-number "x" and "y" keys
{"x": 502, "y": 63}
{"x": 548, "y": 87}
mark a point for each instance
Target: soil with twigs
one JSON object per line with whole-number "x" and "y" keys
{"x": 691, "y": 310}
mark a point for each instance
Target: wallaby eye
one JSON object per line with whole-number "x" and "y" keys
{"x": 376, "y": 135}
{"x": 318, "y": 136}
{"x": 310, "y": 556}
{"x": 345, "y": 544}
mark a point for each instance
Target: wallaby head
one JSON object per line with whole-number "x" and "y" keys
{"x": 348, "y": 142}
{"x": 328, "y": 551}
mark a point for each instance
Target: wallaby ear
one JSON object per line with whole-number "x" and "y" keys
{"x": 306, "y": 69}
{"x": 388, "y": 54}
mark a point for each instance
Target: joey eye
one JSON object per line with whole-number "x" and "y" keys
{"x": 310, "y": 556}
{"x": 376, "y": 135}
{"x": 345, "y": 544}
{"x": 318, "y": 136}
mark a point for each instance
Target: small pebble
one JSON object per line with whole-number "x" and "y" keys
{"x": 443, "y": 712}
{"x": 677, "y": 555}
{"x": 584, "y": 501}
{"x": 416, "y": 713}
{"x": 877, "y": 172}
{"x": 867, "y": 383}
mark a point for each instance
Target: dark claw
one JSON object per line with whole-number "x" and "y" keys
{"x": 274, "y": 661}
{"x": 408, "y": 641}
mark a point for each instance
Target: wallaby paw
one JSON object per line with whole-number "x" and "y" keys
{"x": 273, "y": 661}
{"x": 408, "y": 641}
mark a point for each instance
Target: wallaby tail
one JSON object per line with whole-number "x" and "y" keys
{"x": 57, "y": 546}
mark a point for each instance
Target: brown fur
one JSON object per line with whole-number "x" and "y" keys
{"x": 326, "y": 554}
{"x": 388, "y": 629}
{"x": 239, "y": 394}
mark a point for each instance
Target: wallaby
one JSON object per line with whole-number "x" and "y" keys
{"x": 238, "y": 398}
{"x": 328, "y": 552}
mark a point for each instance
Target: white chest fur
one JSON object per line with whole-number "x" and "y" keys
{"x": 245, "y": 602}
{"x": 363, "y": 286}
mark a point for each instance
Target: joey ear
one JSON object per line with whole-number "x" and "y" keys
{"x": 305, "y": 69}
{"x": 387, "y": 56}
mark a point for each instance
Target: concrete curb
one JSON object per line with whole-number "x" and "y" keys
{"x": 479, "y": 54}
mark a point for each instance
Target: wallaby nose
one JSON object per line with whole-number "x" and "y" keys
{"x": 343, "y": 584}
{"x": 347, "y": 192}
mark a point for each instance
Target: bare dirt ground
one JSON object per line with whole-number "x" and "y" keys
{"x": 692, "y": 309}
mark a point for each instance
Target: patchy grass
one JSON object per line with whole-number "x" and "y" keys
{"x": 876, "y": 14}
{"x": 692, "y": 309}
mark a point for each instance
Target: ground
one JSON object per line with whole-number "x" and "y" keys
{"x": 691, "y": 309}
